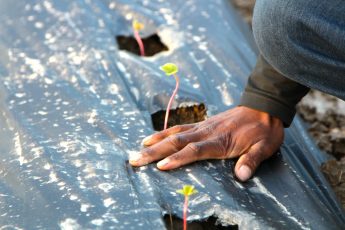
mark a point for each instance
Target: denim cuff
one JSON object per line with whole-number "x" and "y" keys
{"x": 270, "y": 106}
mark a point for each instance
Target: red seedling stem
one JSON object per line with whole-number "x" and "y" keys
{"x": 140, "y": 42}
{"x": 185, "y": 210}
{"x": 170, "y": 102}
{"x": 187, "y": 191}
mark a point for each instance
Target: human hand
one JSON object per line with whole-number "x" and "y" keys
{"x": 251, "y": 135}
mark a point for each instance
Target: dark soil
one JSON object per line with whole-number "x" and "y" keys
{"x": 335, "y": 173}
{"x": 179, "y": 116}
{"x": 326, "y": 125}
{"x": 327, "y": 129}
{"x": 174, "y": 223}
{"x": 152, "y": 44}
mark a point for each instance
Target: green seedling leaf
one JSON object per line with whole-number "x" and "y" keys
{"x": 137, "y": 25}
{"x": 169, "y": 68}
{"x": 187, "y": 190}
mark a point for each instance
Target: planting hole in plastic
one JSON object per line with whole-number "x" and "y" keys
{"x": 179, "y": 116}
{"x": 175, "y": 223}
{"x": 152, "y": 44}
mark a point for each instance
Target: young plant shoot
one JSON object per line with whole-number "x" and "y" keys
{"x": 187, "y": 191}
{"x": 170, "y": 69}
{"x": 137, "y": 26}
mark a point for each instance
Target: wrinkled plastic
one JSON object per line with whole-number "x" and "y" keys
{"x": 74, "y": 107}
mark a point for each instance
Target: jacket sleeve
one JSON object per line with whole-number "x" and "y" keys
{"x": 269, "y": 91}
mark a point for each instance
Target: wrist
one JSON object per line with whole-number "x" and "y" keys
{"x": 265, "y": 117}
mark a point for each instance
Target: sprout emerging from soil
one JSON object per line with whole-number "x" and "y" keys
{"x": 187, "y": 191}
{"x": 170, "y": 69}
{"x": 137, "y": 26}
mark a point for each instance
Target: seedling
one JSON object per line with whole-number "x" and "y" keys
{"x": 170, "y": 69}
{"x": 137, "y": 26}
{"x": 187, "y": 191}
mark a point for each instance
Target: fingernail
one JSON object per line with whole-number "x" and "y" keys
{"x": 135, "y": 157}
{"x": 162, "y": 163}
{"x": 146, "y": 140}
{"x": 244, "y": 173}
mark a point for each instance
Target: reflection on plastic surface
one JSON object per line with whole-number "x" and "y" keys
{"x": 74, "y": 107}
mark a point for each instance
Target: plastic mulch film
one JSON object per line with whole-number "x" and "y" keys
{"x": 74, "y": 107}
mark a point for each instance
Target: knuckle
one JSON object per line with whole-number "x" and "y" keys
{"x": 195, "y": 148}
{"x": 175, "y": 129}
{"x": 175, "y": 140}
{"x": 256, "y": 157}
{"x": 252, "y": 163}
{"x": 159, "y": 136}
{"x": 175, "y": 158}
{"x": 206, "y": 130}
{"x": 147, "y": 152}
{"x": 195, "y": 128}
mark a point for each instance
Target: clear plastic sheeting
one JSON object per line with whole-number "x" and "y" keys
{"x": 74, "y": 107}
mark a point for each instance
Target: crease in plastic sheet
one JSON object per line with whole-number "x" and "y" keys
{"x": 74, "y": 107}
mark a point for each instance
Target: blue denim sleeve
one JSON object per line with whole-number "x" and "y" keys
{"x": 304, "y": 40}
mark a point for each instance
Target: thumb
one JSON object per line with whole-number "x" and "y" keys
{"x": 249, "y": 161}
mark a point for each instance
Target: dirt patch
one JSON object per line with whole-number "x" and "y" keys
{"x": 325, "y": 116}
{"x": 179, "y": 116}
{"x": 335, "y": 173}
{"x": 174, "y": 223}
{"x": 153, "y": 45}
{"x": 328, "y": 129}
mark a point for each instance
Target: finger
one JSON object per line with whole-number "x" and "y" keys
{"x": 248, "y": 162}
{"x": 164, "y": 148}
{"x": 157, "y": 137}
{"x": 194, "y": 151}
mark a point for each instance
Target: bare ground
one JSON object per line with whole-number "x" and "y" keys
{"x": 325, "y": 118}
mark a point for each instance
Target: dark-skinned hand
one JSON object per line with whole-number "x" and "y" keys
{"x": 248, "y": 134}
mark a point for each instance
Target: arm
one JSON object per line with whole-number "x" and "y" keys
{"x": 247, "y": 132}
{"x": 270, "y": 92}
